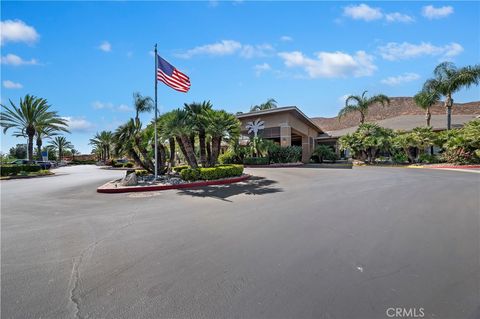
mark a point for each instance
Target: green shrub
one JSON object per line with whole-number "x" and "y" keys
{"x": 190, "y": 174}
{"x": 211, "y": 173}
{"x": 228, "y": 157}
{"x": 128, "y": 165}
{"x": 180, "y": 168}
{"x": 256, "y": 161}
{"x": 399, "y": 158}
{"x": 7, "y": 170}
{"x": 289, "y": 154}
{"x": 141, "y": 172}
{"x": 322, "y": 153}
{"x": 427, "y": 159}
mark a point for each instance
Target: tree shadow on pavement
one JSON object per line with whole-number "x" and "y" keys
{"x": 255, "y": 185}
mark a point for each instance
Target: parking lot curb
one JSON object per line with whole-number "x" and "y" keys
{"x": 167, "y": 187}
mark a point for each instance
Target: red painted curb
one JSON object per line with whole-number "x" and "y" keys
{"x": 455, "y": 166}
{"x": 167, "y": 187}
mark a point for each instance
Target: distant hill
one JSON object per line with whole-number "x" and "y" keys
{"x": 398, "y": 106}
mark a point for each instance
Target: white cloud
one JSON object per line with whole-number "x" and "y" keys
{"x": 124, "y": 108}
{"x": 260, "y": 68}
{"x": 286, "y": 38}
{"x": 254, "y": 51}
{"x": 78, "y": 124}
{"x": 430, "y": 12}
{"x": 224, "y": 47}
{"x": 17, "y": 31}
{"x": 12, "y": 59}
{"x": 362, "y": 12}
{"x": 331, "y": 64}
{"x": 400, "y": 79}
{"x": 12, "y": 85}
{"x": 105, "y": 46}
{"x": 393, "y": 51}
{"x": 97, "y": 105}
{"x": 398, "y": 17}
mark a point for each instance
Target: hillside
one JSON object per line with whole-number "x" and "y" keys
{"x": 398, "y": 106}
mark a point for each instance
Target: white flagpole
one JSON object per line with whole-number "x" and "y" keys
{"x": 156, "y": 115}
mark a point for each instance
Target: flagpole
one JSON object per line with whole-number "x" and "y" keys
{"x": 156, "y": 115}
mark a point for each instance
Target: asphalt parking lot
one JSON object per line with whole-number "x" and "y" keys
{"x": 289, "y": 243}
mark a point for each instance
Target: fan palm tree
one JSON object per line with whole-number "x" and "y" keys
{"x": 269, "y": 104}
{"x": 449, "y": 79}
{"x": 103, "y": 142}
{"x": 425, "y": 99}
{"x": 60, "y": 144}
{"x": 361, "y": 105}
{"x": 178, "y": 123}
{"x": 28, "y": 118}
{"x": 74, "y": 152}
{"x": 221, "y": 125}
{"x": 125, "y": 137}
{"x": 142, "y": 104}
{"x": 197, "y": 113}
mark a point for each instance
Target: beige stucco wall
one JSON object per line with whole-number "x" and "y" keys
{"x": 287, "y": 122}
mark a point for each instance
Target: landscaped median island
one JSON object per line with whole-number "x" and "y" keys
{"x": 181, "y": 177}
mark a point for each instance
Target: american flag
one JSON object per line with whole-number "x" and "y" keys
{"x": 169, "y": 75}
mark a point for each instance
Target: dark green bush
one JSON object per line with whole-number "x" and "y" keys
{"x": 289, "y": 154}
{"x": 128, "y": 164}
{"x": 256, "y": 161}
{"x": 399, "y": 157}
{"x": 141, "y": 172}
{"x": 322, "y": 153}
{"x": 7, "y": 170}
{"x": 211, "y": 173}
{"x": 428, "y": 159}
{"x": 180, "y": 168}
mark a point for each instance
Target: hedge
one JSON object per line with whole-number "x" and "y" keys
{"x": 211, "y": 173}
{"x": 256, "y": 161}
{"x": 7, "y": 170}
{"x": 180, "y": 168}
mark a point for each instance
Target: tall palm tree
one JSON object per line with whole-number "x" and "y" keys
{"x": 31, "y": 114}
{"x": 103, "y": 141}
{"x": 197, "y": 113}
{"x": 124, "y": 137}
{"x": 449, "y": 79}
{"x": 269, "y": 104}
{"x": 60, "y": 143}
{"x": 142, "y": 104}
{"x": 425, "y": 99}
{"x": 361, "y": 105}
{"x": 74, "y": 152}
{"x": 221, "y": 125}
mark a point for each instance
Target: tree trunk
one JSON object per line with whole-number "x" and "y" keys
{"x": 182, "y": 147}
{"x": 171, "y": 142}
{"x": 189, "y": 150}
{"x": 161, "y": 155}
{"x": 209, "y": 151}
{"x": 60, "y": 153}
{"x": 39, "y": 148}
{"x": 30, "y": 148}
{"x": 428, "y": 116}
{"x": 215, "y": 150}
{"x": 137, "y": 159}
{"x": 203, "y": 153}
{"x": 192, "y": 142}
{"x": 448, "y": 105}
{"x": 362, "y": 118}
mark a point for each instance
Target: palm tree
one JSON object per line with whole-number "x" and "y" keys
{"x": 124, "y": 137}
{"x": 425, "y": 99}
{"x": 60, "y": 144}
{"x": 221, "y": 125}
{"x": 28, "y": 118}
{"x": 142, "y": 104}
{"x": 44, "y": 131}
{"x": 362, "y": 103}
{"x": 269, "y": 104}
{"x": 103, "y": 142}
{"x": 178, "y": 123}
{"x": 197, "y": 113}
{"x": 450, "y": 79}
{"x": 74, "y": 152}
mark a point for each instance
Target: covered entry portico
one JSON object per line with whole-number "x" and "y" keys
{"x": 285, "y": 125}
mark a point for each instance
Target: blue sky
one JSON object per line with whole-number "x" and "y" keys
{"x": 87, "y": 58}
